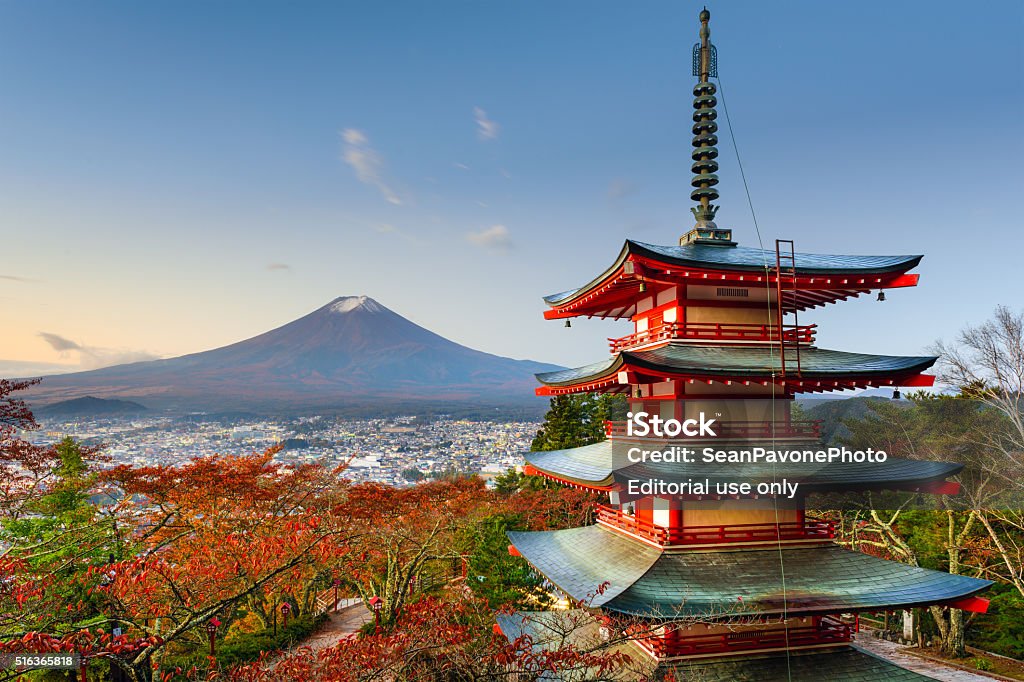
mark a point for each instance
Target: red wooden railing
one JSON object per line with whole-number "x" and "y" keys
{"x": 826, "y": 631}
{"x": 809, "y": 529}
{"x": 715, "y": 331}
{"x": 737, "y": 429}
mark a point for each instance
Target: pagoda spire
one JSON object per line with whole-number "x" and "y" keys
{"x": 705, "y": 151}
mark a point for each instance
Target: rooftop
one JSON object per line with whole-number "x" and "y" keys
{"x": 682, "y": 360}
{"x": 551, "y": 630}
{"x": 595, "y": 466}
{"x": 643, "y": 581}
{"x": 855, "y": 274}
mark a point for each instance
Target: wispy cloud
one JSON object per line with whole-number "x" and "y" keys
{"x": 486, "y": 128}
{"x": 367, "y": 163}
{"x": 59, "y": 343}
{"x": 94, "y": 357}
{"x": 273, "y": 267}
{"x": 494, "y": 238}
{"x": 15, "y": 278}
{"x": 384, "y": 228}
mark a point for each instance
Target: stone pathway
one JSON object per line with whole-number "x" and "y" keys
{"x": 340, "y": 624}
{"x": 896, "y": 653}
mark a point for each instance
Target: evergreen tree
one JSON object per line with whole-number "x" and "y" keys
{"x": 573, "y": 421}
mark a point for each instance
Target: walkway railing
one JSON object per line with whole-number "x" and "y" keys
{"x": 809, "y": 529}
{"x": 826, "y": 631}
{"x": 714, "y": 331}
{"x": 325, "y": 602}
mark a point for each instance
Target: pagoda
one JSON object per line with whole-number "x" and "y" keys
{"x": 737, "y": 585}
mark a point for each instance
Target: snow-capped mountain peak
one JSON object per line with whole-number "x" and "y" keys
{"x": 347, "y": 304}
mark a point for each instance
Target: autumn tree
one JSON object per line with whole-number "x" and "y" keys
{"x": 452, "y": 637}
{"x": 405, "y": 539}
{"x": 212, "y": 535}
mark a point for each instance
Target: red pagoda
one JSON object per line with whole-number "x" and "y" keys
{"x": 739, "y": 586}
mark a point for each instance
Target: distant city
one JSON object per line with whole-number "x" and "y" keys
{"x": 396, "y": 451}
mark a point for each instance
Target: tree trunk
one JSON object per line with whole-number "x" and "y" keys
{"x": 953, "y": 644}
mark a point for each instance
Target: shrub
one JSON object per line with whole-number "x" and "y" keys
{"x": 246, "y": 646}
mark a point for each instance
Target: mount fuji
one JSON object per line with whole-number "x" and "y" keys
{"x": 352, "y": 356}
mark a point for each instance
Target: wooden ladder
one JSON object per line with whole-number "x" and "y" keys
{"x": 785, "y": 280}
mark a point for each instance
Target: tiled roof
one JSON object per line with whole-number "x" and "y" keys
{"x": 552, "y": 629}
{"x": 579, "y": 561}
{"x": 642, "y": 581}
{"x": 555, "y": 629}
{"x": 848, "y": 664}
{"x": 738, "y": 361}
{"x": 746, "y": 259}
{"x": 595, "y": 465}
{"x": 590, "y": 464}
{"x": 892, "y": 474}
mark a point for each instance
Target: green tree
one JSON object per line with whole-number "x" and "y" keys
{"x": 932, "y": 427}
{"x": 507, "y": 581}
{"x": 576, "y": 420}
{"x": 57, "y": 536}
{"x": 571, "y": 421}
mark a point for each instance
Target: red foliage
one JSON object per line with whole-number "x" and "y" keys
{"x": 433, "y": 639}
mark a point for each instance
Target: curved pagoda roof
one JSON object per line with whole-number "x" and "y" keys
{"x": 843, "y": 663}
{"x": 643, "y": 581}
{"x": 820, "y": 278}
{"x": 593, "y": 466}
{"x": 552, "y": 630}
{"x": 821, "y": 369}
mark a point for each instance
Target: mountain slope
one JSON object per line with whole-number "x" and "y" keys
{"x": 352, "y": 352}
{"x": 89, "y": 406}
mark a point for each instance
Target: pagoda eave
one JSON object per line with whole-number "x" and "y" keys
{"x": 583, "y": 630}
{"x": 840, "y": 663}
{"x": 790, "y": 386}
{"x": 821, "y": 370}
{"x": 614, "y": 293}
{"x": 858, "y": 481}
{"x": 597, "y": 567}
{"x": 595, "y": 486}
{"x": 591, "y": 467}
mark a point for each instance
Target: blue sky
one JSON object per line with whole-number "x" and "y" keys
{"x": 178, "y": 176}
